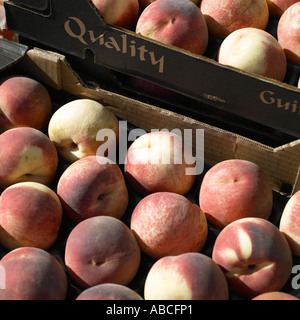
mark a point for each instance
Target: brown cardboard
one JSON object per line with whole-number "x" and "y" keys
{"x": 79, "y": 30}
{"x": 281, "y": 164}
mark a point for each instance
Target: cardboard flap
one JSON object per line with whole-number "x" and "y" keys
{"x": 50, "y": 68}
{"x": 10, "y": 53}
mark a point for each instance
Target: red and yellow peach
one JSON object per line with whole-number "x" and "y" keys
{"x": 235, "y": 189}
{"x": 88, "y": 188}
{"x": 101, "y": 249}
{"x": 188, "y": 276}
{"x": 177, "y": 23}
{"x": 32, "y": 274}
{"x": 109, "y": 291}
{"x": 24, "y": 102}
{"x": 288, "y": 33}
{"x": 254, "y": 256}
{"x": 290, "y": 222}
{"x": 156, "y": 162}
{"x": 145, "y": 3}
{"x": 255, "y": 51}
{"x": 120, "y": 13}
{"x": 230, "y": 15}
{"x": 29, "y": 156}
{"x": 30, "y": 215}
{"x": 167, "y": 223}
{"x": 278, "y": 7}
{"x": 74, "y": 129}
{"x": 275, "y": 295}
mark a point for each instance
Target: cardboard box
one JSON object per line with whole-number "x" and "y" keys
{"x": 54, "y": 71}
{"x": 76, "y": 28}
{"x": 281, "y": 163}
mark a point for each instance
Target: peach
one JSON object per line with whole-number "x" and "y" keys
{"x": 101, "y": 249}
{"x": 24, "y": 102}
{"x": 109, "y": 291}
{"x": 278, "y": 7}
{"x": 88, "y": 188}
{"x": 235, "y": 189}
{"x": 275, "y": 295}
{"x": 288, "y": 33}
{"x": 30, "y": 215}
{"x": 254, "y": 256}
{"x": 120, "y": 13}
{"x": 177, "y": 23}
{"x": 156, "y": 162}
{"x": 224, "y": 17}
{"x": 33, "y": 274}
{"x": 158, "y": 215}
{"x": 255, "y": 51}
{"x": 290, "y": 222}
{"x": 188, "y": 276}
{"x": 73, "y": 128}
{"x": 145, "y": 3}
{"x": 29, "y": 156}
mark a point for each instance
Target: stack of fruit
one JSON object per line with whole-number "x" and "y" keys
{"x": 240, "y": 28}
{"x": 71, "y": 217}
